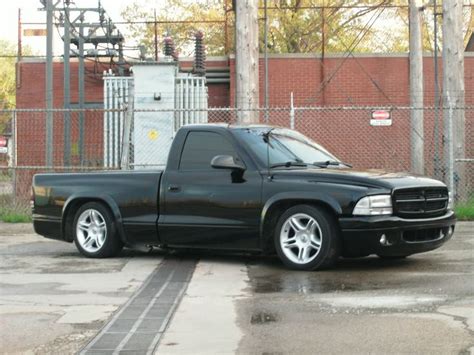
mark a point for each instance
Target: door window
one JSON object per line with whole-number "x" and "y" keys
{"x": 201, "y": 147}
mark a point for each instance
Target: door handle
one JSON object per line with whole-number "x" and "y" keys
{"x": 174, "y": 188}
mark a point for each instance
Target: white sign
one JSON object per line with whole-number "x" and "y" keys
{"x": 381, "y": 118}
{"x": 3, "y": 150}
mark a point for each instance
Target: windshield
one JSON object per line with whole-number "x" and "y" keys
{"x": 285, "y": 147}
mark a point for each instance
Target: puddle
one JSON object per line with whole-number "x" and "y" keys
{"x": 307, "y": 285}
{"x": 263, "y": 317}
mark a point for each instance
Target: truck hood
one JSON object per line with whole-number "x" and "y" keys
{"x": 369, "y": 178}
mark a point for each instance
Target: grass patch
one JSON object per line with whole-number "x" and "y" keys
{"x": 12, "y": 211}
{"x": 15, "y": 218}
{"x": 465, "y": 210}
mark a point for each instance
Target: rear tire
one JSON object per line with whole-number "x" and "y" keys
{"x": 307, "y": 238}
{"x": 95, "y": 234}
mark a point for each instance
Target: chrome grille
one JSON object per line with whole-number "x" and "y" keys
{"x": 420, "y": 202}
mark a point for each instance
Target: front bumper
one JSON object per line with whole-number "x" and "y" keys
{"x": 362, "y": 235}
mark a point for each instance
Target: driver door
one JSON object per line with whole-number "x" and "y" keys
{"x": 207, "y": 207}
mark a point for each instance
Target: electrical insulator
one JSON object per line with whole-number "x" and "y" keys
{"x": 199, "y": 54}
{"x": 169, "y": 47}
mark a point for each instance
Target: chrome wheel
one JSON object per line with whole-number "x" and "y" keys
{"x": 91, "y": 230}
{"x": 301, "y": 238}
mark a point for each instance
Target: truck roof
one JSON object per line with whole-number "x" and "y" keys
{"x": 228, "y": 126}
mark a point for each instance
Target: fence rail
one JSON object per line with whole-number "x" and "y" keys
{"x": 93, "y": 139}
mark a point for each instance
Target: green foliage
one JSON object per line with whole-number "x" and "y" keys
{"x": 182, "y": 33}
{"x": 7, "y": 80}
{"x": 12, "y": 211}
{"x": 16, "y": 218}
{"x": 8, "y": 52}
{"x": 465, "y": 211}
{"x": 293, "y": 27}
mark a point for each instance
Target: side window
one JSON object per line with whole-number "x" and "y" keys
{"x": 201, "y": 147}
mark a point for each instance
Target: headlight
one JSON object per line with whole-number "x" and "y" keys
{"x": 373, "y": 205}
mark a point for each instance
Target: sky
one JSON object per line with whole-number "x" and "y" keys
{"x": 30, "y": 13}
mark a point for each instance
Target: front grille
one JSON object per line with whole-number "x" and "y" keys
{"x": 424, "y": 235}
{"x": 420, "y": 202}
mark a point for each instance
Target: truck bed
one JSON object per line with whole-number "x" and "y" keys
{"x": 132, "y": 197}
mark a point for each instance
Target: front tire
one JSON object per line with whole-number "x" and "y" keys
{"x": 307, "y": 238}
{"x": 95, "y": 234}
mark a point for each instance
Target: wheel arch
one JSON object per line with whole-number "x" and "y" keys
{"x": 74, "y": 202}
{"x": 275, "y": 206}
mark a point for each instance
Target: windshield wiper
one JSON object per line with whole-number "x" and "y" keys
{"x": 325, "y": 164}
{"x": 288, "y": 164}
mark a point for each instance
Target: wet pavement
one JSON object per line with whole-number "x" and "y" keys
{"x": 422, "y": 304}
{"x": 52, "y": 300}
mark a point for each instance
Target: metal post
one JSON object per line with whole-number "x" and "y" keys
{"x": 49, "y": 83}
{"x": 450, "y": 148}
{"x": 18, "y": 54}
{"x": 67, "y": 94}
{"x": 14, "y": 156}
{"x": 81, "y": 93}
{"x": 323, "y": 54}
{"x": 292, "y": 112}
{"x": 19, "y": 49}
{"x": 266, "y": 60}
{"x": 436, "y": 93}
{"x": 125, "y": 158}
{"x": 156, "y": 36}
{"x": 226, "y": 29}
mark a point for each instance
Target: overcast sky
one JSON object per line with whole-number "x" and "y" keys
{"x": 30, "y": 13}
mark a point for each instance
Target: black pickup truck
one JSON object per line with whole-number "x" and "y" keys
{"x": 256, "y": 189}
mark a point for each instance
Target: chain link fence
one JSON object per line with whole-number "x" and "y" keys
{"x": 86, "y": 140}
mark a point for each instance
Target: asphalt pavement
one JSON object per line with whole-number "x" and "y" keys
{"x": 52, "y": 300}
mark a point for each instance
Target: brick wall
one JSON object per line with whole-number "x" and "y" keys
{"x": 359, "y": 81}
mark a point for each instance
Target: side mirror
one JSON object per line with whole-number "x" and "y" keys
{"x": 226, "y": 162}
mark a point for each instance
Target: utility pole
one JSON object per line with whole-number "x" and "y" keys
{"x": 49, "y": 82}
{"x": 437, "y": 168}
{"x": 246, "y": 60}
{"x": 453, "y": 94}
{"x": 416, "y": 89}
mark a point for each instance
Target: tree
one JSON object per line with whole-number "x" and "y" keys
{"x": 182, "y": 33}
{"x": 294, "y": 26}
{"x": 7, "y": 80}
{"x": 8, "y": 53}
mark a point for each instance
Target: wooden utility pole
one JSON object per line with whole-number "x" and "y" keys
{"x": 453, "y": 94}
{"x": 246, "y": 60}
{"x": 416, "y": 89}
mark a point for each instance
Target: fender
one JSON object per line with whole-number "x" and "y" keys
{"x": 309, "y": 196}
{"x": 104, "y": 198}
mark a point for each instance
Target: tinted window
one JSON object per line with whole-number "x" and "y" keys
{"x": 201, "y": 147}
